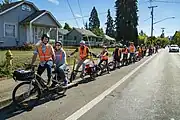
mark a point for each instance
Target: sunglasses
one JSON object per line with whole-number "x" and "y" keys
{"x": 58, "y": 45}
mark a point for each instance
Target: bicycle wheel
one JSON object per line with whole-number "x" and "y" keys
{"x": 112, "y": 65}
{"x": 61, "y": 90}
{"x": 22, "y": 98}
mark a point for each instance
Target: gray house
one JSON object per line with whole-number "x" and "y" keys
{"x": 62, "y": 34}
{"x": 77, "y": 34}
{"x": 22, "y": 22}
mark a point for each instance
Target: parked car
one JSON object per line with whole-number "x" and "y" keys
{"x": 174, "y": 48}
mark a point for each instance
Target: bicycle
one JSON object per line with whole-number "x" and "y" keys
{"x": 90, "y": 69}
{"x": 36, "y": 87}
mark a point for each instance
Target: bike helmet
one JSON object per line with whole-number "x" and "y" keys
{"x": 82, "y": 42}
{"x": 59, "y": 43}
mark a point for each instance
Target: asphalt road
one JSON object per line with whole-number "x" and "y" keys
{"x": 151, "y": 93}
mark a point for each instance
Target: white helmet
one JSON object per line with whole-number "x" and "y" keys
{"x": 82, "y": 42}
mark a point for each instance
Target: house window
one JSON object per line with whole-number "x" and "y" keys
{"x": 10, "y": 30}
{"x": 26, "y": 7}
{"x": 60, "y": 37}
{"x": 41, "y": 31}
{"x": 75, "y": 38}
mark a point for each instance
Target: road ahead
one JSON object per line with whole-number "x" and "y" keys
{"x": 151, "y": 93}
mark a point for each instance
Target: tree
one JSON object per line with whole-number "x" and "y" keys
{"x": 126, "y": 21}
{"x": 67, "y": 27}
{"x": 176, "y": 38}
{"x": 110, "y": 25}
{"x": 86, "y": 26}
{"x": 6, "y": 2}
{"x": 94, "y": 22}
{"x": 98, "y": 32}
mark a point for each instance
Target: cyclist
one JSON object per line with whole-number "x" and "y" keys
{"x": 104, "y": 57}
{"x": 83, "y": 51}
{"x": 125, "y": 52}
{"x": 46, "y": 55}
{"x": 117, "y": 54}
{"x": 60, "y": 61}
{"x": 132, "y": 50}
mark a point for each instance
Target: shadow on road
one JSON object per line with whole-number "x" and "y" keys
{"x": 12, "y": 110}
{"x": 86, "y": 80}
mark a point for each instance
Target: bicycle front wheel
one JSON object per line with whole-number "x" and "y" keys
{"x": 26, "y": 94}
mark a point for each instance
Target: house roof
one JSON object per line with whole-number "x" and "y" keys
{"x": 7, "y": 7}
{"x": 32, "y": 16}
{"x": 85, "y": 32}
{"x": 109, "y": 38}
{"x": 36, "y": 15}
{"x": 63, "y": 31}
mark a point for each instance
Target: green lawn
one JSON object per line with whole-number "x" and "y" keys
{"x": 21, "y": 57}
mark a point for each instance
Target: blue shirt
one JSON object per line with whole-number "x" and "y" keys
{"x": 59, "y": 62}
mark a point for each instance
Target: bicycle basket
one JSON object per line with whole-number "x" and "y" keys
{"x": 23, "y": 75}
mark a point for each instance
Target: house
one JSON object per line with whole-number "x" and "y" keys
{"x": 62, "y": 34}
{"x": 22, "y": 22}
{"x": 109, "y": 40}
{"x": 77, "y": 34}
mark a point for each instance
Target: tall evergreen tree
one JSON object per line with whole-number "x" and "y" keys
{"x": 94, "y": 22}
{"x": 110, "y": 25}
{"x": 126, "y": 21}
{"x": 6, "y": 1}
{"x": 86, "y": 26}
{"x": 67, "y": 27}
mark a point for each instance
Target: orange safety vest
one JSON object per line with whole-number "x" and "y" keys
{"x": 45, "y": 56}
{"x": 83, "y": 53}
{"x": 131, "y": 48}
{"x": 104, "y": 57}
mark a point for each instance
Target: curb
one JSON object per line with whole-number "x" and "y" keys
{"x": 8, "y": 101}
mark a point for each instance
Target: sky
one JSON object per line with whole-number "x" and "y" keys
{"x": 62, "y": 12}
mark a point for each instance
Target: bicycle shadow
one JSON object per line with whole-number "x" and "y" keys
{"x": 86, "y": 80}
{"x": 12, "y": 110}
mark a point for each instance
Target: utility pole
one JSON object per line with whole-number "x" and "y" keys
{"x": 162, "y": 34}
{"x": 162, "y": 30}
{"x": 152, "y": 18}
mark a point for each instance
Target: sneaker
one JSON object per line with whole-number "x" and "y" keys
{"x": 49, "y": 83}
{"x": 65, "y": 83}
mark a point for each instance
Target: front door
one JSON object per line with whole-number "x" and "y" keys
{"x": 38, "y": 32}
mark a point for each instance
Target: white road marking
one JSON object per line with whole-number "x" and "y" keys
{"x": 96, "y": 100}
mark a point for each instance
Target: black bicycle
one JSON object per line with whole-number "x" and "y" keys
{"x": 34, "y": 87}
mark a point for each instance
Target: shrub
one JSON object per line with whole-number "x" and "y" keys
{"x": 4, "y": 71}
{"x": 28, "y": 46}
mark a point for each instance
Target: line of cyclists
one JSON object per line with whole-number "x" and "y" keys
{"x": 57, "y": 57}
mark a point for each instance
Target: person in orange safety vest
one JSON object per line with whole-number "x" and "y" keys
{"x": 104, "y": 57}
{"x": 84, "y": 52}
{"x": 46, "y": 56}
{"x": 132, "y": 50}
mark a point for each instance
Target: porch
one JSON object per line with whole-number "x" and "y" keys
{"x": 39, "y": 23}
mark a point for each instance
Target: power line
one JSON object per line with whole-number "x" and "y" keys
{"x": 81, "y": 12}
{"x": 162, "y": 1}
{"x": 72, "y": 12}
{"x": 86, "y": 16}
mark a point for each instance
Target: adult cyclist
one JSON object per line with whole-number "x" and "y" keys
{"x": 46, "y": 56}
{"x": 84, "y": 52}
